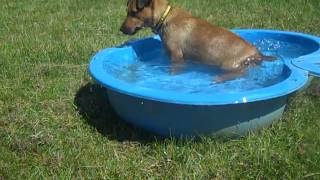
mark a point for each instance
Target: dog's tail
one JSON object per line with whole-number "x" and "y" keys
{"x": 268, "y": 58}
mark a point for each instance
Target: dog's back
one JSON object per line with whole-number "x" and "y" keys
{"x": 205, "y": 42}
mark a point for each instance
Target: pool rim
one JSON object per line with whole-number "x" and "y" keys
{"x": 296, "y": 80}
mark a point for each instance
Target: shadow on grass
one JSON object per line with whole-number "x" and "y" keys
{"x": 92, "y": 103}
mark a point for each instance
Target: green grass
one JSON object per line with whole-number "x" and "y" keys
{"x": 53, "y": 122}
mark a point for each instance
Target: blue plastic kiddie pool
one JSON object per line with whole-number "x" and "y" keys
{"x": 142, "y": 90}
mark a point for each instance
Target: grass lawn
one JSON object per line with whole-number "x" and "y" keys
{"x": 53, "y": 122}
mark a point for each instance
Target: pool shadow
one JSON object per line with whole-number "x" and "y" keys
{"x": 92, "y": 103}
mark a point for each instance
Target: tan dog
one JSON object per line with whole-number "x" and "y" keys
{"x": 188, "y": 37}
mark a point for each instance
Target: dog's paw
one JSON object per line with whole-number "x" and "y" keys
{"x": 219, "y": 80}
{"x": 176, "y": 69}
{"x": 173, "y": 71}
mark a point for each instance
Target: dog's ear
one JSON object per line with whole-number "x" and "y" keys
{"x": 142, "y": 3}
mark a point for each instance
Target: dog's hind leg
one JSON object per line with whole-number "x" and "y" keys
{"x": 268, "y": 58}
{"x": 228, "y": 76}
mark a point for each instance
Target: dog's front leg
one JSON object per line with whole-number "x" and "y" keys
{"x": 177, "y": 59}
{"x": 177, "y": 63}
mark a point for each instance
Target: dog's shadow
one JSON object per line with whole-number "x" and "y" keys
{"x": 92, "y": 104}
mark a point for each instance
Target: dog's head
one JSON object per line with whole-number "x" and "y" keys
{"x": 140, "y": 14}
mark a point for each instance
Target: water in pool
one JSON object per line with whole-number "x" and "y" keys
{"x": 152, "y": 70}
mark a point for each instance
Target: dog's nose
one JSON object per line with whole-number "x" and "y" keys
{"x": 124, "y": 30}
